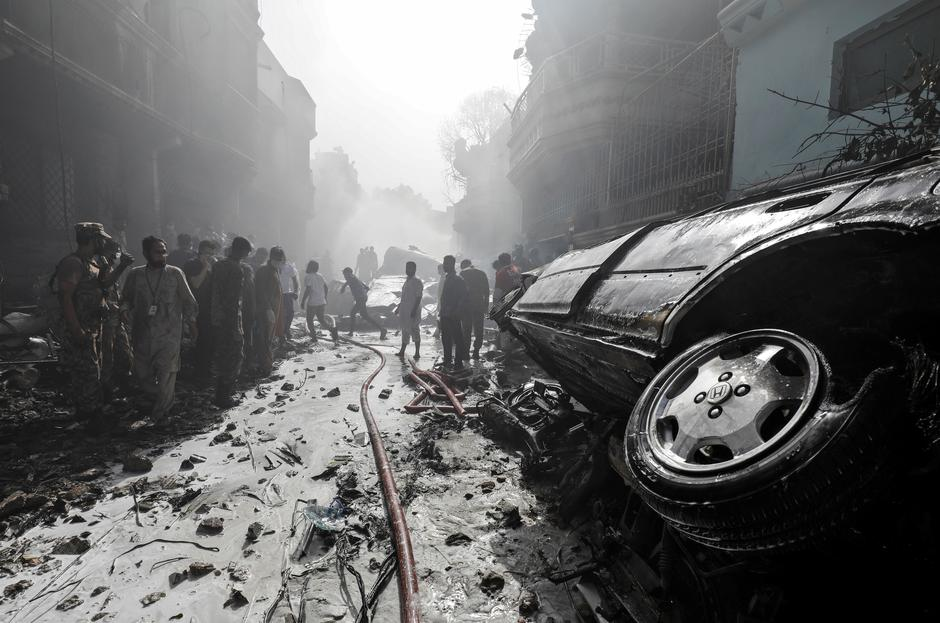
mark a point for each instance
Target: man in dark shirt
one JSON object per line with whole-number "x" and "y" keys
{"x": 360, "y": 294}
{"x": 183, "y": 252}
{"x": 231, "y": 312}
{"x": 478, "y": 303}
{"x": 268, "y": 304}
{"x": 453, "y": 304}
{"x": 198, "y": 271}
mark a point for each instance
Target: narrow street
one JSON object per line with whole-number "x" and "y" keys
{"x": 250, "y": 515}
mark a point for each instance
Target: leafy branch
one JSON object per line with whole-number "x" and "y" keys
{"x": 910, "y": 114}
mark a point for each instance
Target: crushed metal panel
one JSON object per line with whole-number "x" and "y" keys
{"x": 562, "y": 280}
{"x": 905, "y": 198}
{"x": 637, "y": 304}
{"x": 712, "y": 238}
{"x": 601, "y": 375}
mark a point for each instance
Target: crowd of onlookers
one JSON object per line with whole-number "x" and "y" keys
{"x": 235, "y": 306}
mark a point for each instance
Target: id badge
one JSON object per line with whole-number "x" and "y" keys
{"x": 152, "y": 311}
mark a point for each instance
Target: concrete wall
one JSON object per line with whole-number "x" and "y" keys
{"x": 794, "y": 56}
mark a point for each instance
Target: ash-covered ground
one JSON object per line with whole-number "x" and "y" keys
{"x": 272, "y": 510}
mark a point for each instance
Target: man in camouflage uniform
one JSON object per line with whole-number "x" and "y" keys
{"x": 231, "y": 306}
{"x": 159, "y": 302}
{"x": 116, "y": 360}
{"x": 78, "y": 284}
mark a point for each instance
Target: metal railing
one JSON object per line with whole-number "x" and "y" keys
{"x": 606, "y": 52}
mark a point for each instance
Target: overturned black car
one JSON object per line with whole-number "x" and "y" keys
{"x": 769, "y": 368}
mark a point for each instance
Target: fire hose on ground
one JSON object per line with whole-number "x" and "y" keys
{"x": 407, "y": 573}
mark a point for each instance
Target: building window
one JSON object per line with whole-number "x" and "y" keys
{"x": 869, "y": 66}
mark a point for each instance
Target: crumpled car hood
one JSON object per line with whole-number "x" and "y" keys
{"x": 627, "y": 288}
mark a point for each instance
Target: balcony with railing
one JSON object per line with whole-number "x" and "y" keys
{"x": 583, "y": 85}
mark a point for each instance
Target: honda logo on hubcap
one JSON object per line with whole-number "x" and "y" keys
{"x": 719, "y": 394}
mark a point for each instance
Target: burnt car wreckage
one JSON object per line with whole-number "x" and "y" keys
{"x": 765, "y": 370}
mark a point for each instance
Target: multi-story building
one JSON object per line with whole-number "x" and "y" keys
{"x": 140, "y": 114}
{"x": 849, "y": 56}
{"x": 279, "y": 203}
{"x": 487, "y": 220}
{"x": 338, "y": 197}
{"x": 627, "y": 117}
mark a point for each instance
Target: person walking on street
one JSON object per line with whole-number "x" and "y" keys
{"x": 158, "y": 302}
{"x": 314, "y": 300}
{"x": 478, "y": 303}
{"x": 232, "y": 300}
{"x": 290, "y": 288}
{"x": 268, "y": 309}
{"x": 82, "y": 303}
{"x": 360, "y": 294}
{"x": 198, "y": 271}
{"x": 453, "y": 303}
{"x": 409, "y": 310}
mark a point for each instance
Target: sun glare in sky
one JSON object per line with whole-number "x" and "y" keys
{"x": 385, "y": 74}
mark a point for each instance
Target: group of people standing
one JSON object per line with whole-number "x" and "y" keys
{"x": 234, "y": 308}
{"x": 233, "y": 312}
{"x": 367, "y": 264}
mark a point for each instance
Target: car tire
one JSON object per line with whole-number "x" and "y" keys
{"x": 811, "y": 466}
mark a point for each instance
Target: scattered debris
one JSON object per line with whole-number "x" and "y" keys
{"x": 458, "y": 539}
{"x": 236, "y": 600}
{"x": 492, "y": 583}
{"x": 240, "y": 573}
{"x": 99, "y": 590}
{"x": 255, "y": 530}
{"x": 212, "y": 525}
{"x": 199, "y": 569}
{"x": 186, "y": 465}
{"x": 487, "y": 486}
{"x": 352, "y": 407}
{"x": 332, "y": 393}
{"x": 361, "y": 438}
{"x": 20, "y": 501}
{"x": 231, "y": 426}
{"x": 100, "y": 616}
{"x": 89, "y": 475}
{"x": 197, "y": 459}
{"x": 69, "y": 603}
{"x": 332, "y": 467}
{"x": 178, "y": 578}
{"x": 14, "y": 589}
{"x": 384, "y": 394}
{"x": 152, "y": 598}
{"x": 288, "y": 387}
{"x": 321, "y": 367}
{"x": 225, "y": 436}
{"x": 507, "y": 515}
{"x": 71, "y": 546}
{"x": 177, "y": 616}
{"x": 137, "y": 463}
{"x": 529, "y": 603}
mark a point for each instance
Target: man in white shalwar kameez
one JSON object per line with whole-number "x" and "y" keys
{"x": 409, "y": 310}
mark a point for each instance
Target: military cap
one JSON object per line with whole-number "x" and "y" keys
{"x": 92, "y": 229}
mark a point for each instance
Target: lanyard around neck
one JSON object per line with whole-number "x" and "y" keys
{"x": 154, "y": 291}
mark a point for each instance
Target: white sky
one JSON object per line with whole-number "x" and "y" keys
{"x": 385, "y": 73}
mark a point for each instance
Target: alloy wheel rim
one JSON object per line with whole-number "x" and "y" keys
{"x": 730, "y": 403}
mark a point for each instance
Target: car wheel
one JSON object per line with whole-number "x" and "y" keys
{"x": 736, "y": 444}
